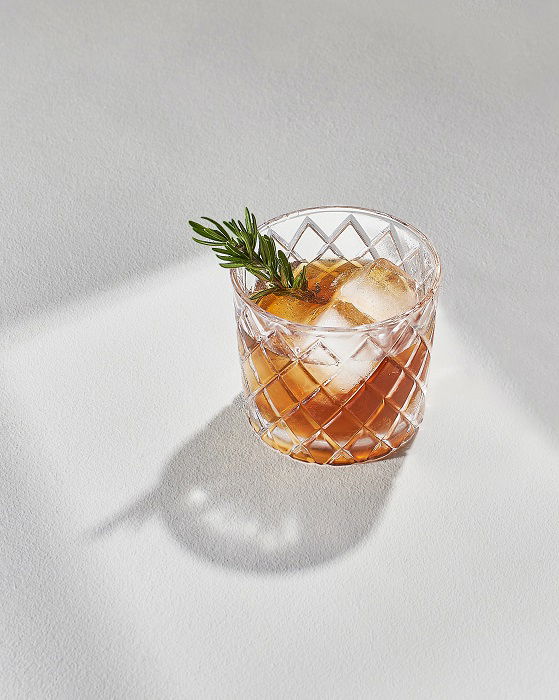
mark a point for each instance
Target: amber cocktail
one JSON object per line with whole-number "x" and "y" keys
{"x": 340, "y": 377}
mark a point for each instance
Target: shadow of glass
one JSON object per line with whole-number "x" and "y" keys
{"x": 230, "y": 499}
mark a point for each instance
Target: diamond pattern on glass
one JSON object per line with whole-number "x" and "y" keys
{"x": 319, "y": 400}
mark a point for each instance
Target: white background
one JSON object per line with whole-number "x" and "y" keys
{"x": 150, "y": 546}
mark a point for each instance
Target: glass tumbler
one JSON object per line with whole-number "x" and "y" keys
{"x": 339, "y": 395}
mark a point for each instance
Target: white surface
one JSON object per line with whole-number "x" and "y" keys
{"x": 150, "y": 546}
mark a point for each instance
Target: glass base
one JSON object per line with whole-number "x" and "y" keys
{"x": 321, "y": 450}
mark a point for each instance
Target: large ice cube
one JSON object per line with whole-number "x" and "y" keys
{"x": 289, "y": 308}
{"x": 341, "y": 360}
{"x": 339, "y": 314}
{"x": 373, "y": 293}
{"x": 379, "y": 291}
{"x": 355, "y": 357}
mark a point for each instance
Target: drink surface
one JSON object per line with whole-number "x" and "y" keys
{"x": 347, "y": 398}
{"x": 347, "y": 294}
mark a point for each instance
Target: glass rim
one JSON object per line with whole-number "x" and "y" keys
{"x": 239, "y": 289}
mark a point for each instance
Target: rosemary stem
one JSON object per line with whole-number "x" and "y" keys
{"x": 239, "y": 244}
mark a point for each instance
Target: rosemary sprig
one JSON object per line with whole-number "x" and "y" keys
{"x": 239, "y": 244}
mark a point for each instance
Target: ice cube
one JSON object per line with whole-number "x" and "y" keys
{"x": 379, "y": 290}
{"x": 355, "y": 356}
{"x": 373, "y": 293}
{"x": 329, "y": 274}
{"x": 289, "y": 308}
{"x": 340, "y": 361}
{"x": 339, "y": 314}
